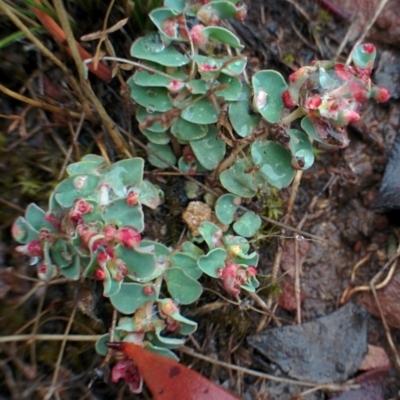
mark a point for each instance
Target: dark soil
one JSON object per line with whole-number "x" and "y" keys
{"x": 334, "y": 202}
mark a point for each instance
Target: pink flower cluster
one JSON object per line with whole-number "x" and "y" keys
{"x": 233, "y": 276}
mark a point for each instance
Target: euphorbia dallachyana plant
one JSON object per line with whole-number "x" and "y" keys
{"x": 191, "y": 83}
{"x": 193, "y": 105}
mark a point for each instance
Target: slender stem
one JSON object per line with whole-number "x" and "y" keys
{"x": 296, "y": 114}
{"x": 49, "y": 337}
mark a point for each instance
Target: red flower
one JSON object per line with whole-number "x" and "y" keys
{"x": 127, "y": 370}
{"x": 128, "y": 236}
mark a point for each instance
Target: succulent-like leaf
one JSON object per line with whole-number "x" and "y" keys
{"x": 187, "y": 327}
{"x": 209, "y": 150}
{"x": 150, "y": 195}
{"x": 327, "y": 135}
{"x": 241, "y": 116}
{"x": 123, "y": 175}
{"x": 153, "y": 98}
{"x": 111, "y": 286}
{"x": 164, "y": 151}
{"x": 192, "y": 249}
{"x": 241, "y": 180}
{"x": 159, "y": 16}
{"x": 187, "y": 263}
{"x": 142, "y": 114}
{"x": 73, "y": 270}
{"x": 118, "y": 212}
{"x": 152, "y": 48}
{"x": 222, "y": 35}
{"x": 301, "y": 148}
{"x": 161, "y": 138}
{"x": 233, "y": 90}
{"x": 140, "y": 264}
{"x": 212, "y": 262}
{"x": 224, "y": 9}
{"x": 62, "y": 254}
{"x": 182, "y": 287}
{"x": 35, "y": 217}
{"x": 198, "y": 86}
{"x": 175, "y": 5}
{"x": 227, "y": 65}
{"x": 145, "y": 78}
{"x": 90, "y": 164}
{"x": 211, "y": 233}
{"x": 226, "y": 206}
{"x": 268, "y": 88}
{"x": 248, "y": 224}
{"x": 76, "y": 187}
{"x": 185, "y": 130}
{"x": 100, "y": 346}
{"x": 364, "y": 56}
{"x": 167, "y": 342}
{"x": 200, "y": 111}
{"x": 131, "y": 296}
{"x": 274, "y": 162}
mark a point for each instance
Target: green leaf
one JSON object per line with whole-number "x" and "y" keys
{"x": 131, "y": 296}
{"x": 185, "y": 130}
{"x": 76, "y": 187}
{"x": 187, "y": 327}
{"x": 150, "y": 195}
{"x": 143, "y": 116}
{"x": 230, "y": 65}
{"x": 233, "y": 90}
{"x": 101, "y": 347}
{"x": 198, "y": 86}
{"x": 187, "y": 263}
{"x": 301, "y": 148}
{"x": 175, "y": 5}
{"x": 328, "y": 136}
{"x": 268, "y": 88}
{"x": 209, "y": 150}
{"x": 248, "y": 224}
{"x": 226, "y": 206}
{"x": 118, "y": 212}
{"x": 241, "y": 180}
{"x": 183, "y": 288}
{"x": 111, "y": 286}
{"x": 145, "y": 78}
{"x": 224, "y": 9}
{"x": 241, "y": 116}
{"x": 159, "y": 16}
{"x": 212, "y": 262}
{"x": 153, "y": 98}
{"x": 192, "y": 249}
{"x": 90, "y": 164}
{"x": 35, "y": 217}
{"x": 151, "y": 48}
{"x": 140, "y": 264}
{"x": 164, "y": 151}
{"x": 23, "y": 232}
{"x": 161, "y": 138}
{"x": 222, "y": 35}
{"x": 200, "y": 111}
{"x": 363, "y": 59}
{"x": 274, "y": 162}
{"x": 123, "y": 175}
{"x": 62, "y": 254}
{"x": 72, "y": 271}
{"x": 211, "y": 233}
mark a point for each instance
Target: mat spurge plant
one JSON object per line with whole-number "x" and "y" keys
{"x": 198, "y": 112}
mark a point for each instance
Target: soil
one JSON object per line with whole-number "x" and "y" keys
{"x": 335, "y": 203}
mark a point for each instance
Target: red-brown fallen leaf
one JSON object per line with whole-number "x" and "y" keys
{"x": 375, "y": 358}
{"x": 387, "y": 299}
{"x": 287, "y": 299}
{"x": 169, "y": 380}
{"x": 288, "y": 262}
{"x": 54, "y": 29}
